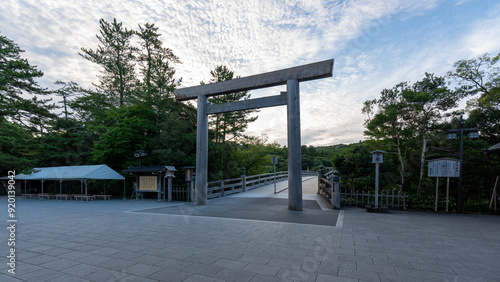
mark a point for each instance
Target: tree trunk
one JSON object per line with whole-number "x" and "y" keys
{"x": 401, "y": 166}
{"x": 422, "y": 163}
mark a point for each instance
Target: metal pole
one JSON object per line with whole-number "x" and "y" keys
{"x": 274, "y": 178}
{"x": 60, "y": 189}
{"x": 201, "y": 152}
{"x": 376, "y": 185}
{"x": 294, "y": 143}
{"x": 447, "y": 192}
{"x": 124, "y": 197}
{"x": 437, "y": 189}
{"x": 460, "y": 179}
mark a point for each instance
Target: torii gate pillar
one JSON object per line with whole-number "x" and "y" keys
{"x": 294, "y": 149}
{"x": 200, "y": 195}
{"x": 291, "y": 77}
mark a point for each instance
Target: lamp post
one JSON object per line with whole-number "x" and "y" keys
{"x": 472, "y": 133}
{"x": 139, "y": 154}
{"x": 377, "y": 158}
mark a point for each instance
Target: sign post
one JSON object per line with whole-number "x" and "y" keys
{"x": 443, "y": 167}
{"x": 377, "y": 158}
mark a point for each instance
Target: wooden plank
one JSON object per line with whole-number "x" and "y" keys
{"x": 278, "y": 100}
{"x": 301, "y": 73}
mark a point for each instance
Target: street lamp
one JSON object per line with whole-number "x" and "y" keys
{"x": 139, "y": 154}
{"x": 452, "y": 134}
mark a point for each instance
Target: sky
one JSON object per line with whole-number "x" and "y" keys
{"x": 375, "y": 45}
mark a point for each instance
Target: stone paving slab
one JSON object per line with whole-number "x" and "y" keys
{"x": 110, "y": 241}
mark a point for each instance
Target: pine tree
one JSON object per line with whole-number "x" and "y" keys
{"x": 19, "y": 92}
{"x": 226, "y": 126}
{"x": 156, "y": 66}
{"x": 116, "y": 56}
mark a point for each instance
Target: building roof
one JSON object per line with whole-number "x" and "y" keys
{"x": 493, "y": 149}
{"x": 72, "y": 173}
{"x": 149, "y": 169}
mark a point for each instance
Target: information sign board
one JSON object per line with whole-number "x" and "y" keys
{"x": 148, "y": 183}
{"x": 444, "y": 168}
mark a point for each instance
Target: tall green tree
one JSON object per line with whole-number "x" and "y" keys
{"x": 228, "y": 126}
{"x": 156, "y": 68}
{"x": 116, "y": 56}
{"x": 426, "y": 101}
{"x": 388, "y": 125}
{"x": 479, "y": 77}
{"x": 20, "y": 94}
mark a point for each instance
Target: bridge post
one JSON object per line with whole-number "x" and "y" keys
{"x": 243, "y": 179}
{"x": 320, "y": 175}
{"x": 294, "y": 143}
{"x": 336, "y": 190}
{"x": 201, "y": 152}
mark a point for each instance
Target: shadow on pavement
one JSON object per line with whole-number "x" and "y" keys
{"x": 266, "y": 209}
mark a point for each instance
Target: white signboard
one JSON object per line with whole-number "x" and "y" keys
{"x": 444, "y": 168}
{"x": 274, "y": 160}
{"x": 377, "y": 158}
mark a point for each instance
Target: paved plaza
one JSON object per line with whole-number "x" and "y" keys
{"x": 132, "y": 240}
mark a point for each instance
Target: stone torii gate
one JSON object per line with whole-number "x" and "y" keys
{"x": 291, "y": 77}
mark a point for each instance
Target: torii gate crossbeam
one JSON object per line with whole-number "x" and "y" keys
{"x": 291, "y": 77}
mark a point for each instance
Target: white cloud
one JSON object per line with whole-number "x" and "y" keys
{"x": 251, "y": 37}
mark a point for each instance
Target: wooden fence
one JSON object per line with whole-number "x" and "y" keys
{"x": 387, "y": 198}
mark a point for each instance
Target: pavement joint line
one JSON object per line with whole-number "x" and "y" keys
{"x": 232, "y": 219}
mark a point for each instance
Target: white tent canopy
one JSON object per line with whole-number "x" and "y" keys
{"x": 73, "y": 173}
{"x": 62, "y": 173}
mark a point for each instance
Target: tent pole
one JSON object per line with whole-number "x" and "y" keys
{"x": 124, "y": 197}
{"x": 25, "y": 187}
{"x": 42, "y": 190}
{"x": 81, "y": 189}
{"x": 60, "y": 189}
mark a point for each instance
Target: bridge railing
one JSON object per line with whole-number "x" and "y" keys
{"x": 326, "y": 188}
{"x": 226, "y": 187}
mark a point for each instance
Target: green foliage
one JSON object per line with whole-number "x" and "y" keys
{"x": 253, "y": 155}
{"x": 478, "y": 76}
{"x": 16, "y": 147}
{"x": 228, "y": 126}
{"x": 126, "y": 131}
{"x": 354, "y": 165}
